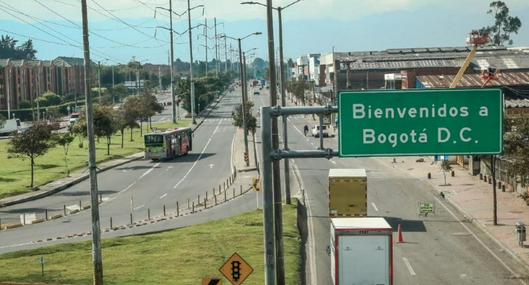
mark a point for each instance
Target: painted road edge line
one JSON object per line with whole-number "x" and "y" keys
{"x": 479, "y": 240}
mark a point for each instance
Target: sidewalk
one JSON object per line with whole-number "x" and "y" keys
{"x": 473, "y": 197}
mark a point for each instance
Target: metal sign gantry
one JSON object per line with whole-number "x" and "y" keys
{"x": 268, "y": 155}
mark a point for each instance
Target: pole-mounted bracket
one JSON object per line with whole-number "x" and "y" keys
{"x": 288, "y": 154}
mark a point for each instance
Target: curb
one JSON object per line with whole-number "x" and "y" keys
{"x": 37, "y": 195}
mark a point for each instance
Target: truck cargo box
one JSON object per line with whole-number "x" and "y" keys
{"x": 347, "y": 192}
{"x": 361, "y": 251}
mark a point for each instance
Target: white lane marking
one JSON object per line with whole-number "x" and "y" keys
{"x": 16, "y": 245}
{"x": 163, "y": 196}
{"x": 211, "y": 165}
{"x": 374, "y": 206}
{"x": 333, "y": 162}
{"x": 311, "y": 241}
{"x": 408, "y": 265}
{"x": 149, "y": 171}
{"x": 198, "y": 158}
{"x": 139, "y": 207}
{"x": 479, "y": 241}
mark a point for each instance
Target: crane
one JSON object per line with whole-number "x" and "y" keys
{"x": 475, "y": 39}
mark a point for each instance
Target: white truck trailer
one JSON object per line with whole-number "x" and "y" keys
{"x": 361, "y": 251}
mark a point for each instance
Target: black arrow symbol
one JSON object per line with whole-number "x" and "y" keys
{"x": 214, "y": 282}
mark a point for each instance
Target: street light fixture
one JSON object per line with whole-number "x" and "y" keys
{"x": 243, "y": 87}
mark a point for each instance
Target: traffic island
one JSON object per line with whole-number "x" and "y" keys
{"x": 183, "y": 256}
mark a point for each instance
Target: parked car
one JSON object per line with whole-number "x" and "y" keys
{"x": 316, "y": 131}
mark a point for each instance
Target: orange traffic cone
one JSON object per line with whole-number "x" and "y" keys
{"x": 399, "y": 231}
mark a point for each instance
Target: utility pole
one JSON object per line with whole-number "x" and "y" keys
{"x": 278, "y": 211}
{"x": 284, "y": 104}
{"x": 191, "y": 83}
{"x": 206, "y": 42}
{"x": 113, "y": 83}
{"x": 216, "y": 48}
{"x": 244, "y": 103}
{"x": 99, "y": 79}
{"x": 96, "y": 231}
{"x": 160, "y": 78}
{"x": 225, "y": 56}
{"x": 173, "y": 99}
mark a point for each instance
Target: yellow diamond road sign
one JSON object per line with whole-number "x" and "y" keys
{"x": 236, "y": 269}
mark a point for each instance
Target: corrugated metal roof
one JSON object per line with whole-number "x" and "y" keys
{"x": 475, "y": 80}
{"x": 498, "y": 57}
{"x": 517, "y": 103}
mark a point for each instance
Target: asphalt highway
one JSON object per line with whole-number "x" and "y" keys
{"x": 439, "y": 249}
{"x": 139, "y": 186}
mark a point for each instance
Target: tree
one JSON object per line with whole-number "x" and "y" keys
{"x": 64, "y": 140}
{"x": 34, "y": 142}
{"x": 9, "y": 49}
{"x": 103, "y": 124}
{"x": 251, "y": 121}
{"x": 131, "y": 109}
{"x": 123, "y": 120}
{"x": 149, "y": 106}
{"x": 2, "y": 121}
{"x": 119, "y": 92}
{"x": 517, "y": 150}
{"x": 298, "y": 87}
{"x": 49, "y": 99}
{"x": 504, "y": 24}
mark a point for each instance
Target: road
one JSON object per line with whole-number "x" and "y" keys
{"x": 438, "y": 249}
{"x": 141, "y": 186}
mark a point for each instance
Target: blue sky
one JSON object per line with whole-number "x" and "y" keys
{"x": 310, "y": 26}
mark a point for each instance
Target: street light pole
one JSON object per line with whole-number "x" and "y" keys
{"x": 225, "y": 56}
{"x": 173, "y": 99}
{"x": 206, "y": 43}
{"x": 94, "y": 208}
{"x": 98, "y": 80}
{"x": 243, "y": 90}
{"x": 191, "y": 83}
{"x": 283, "y": 103}
{"x": 216, "y": 48}
{"x": 278, "y": 210}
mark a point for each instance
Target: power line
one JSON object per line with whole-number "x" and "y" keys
{"x": 123, "y": 22}
{"x": 93, "y": 33}
{"x": 9, "y": 10}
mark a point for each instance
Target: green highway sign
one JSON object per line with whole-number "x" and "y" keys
{"x": 420, "y": 122}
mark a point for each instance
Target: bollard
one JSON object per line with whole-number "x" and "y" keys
{"x": 164, "y": 210}
{"x": 213, "y": 191}
{"x": 46, "y": 214}
{"x": 198, "y": 199}
{"x": 227, "y": 182}
{"x": 429, "y": 175}
{"x": 240, "y": 188}
{"x": 225, "y": 197}
{"x": 193, "y": 210}
{"x": 177, "y": 209}
{"x": 233, "y": 192}
{"x": 111, "y": 223}
{"x": 481, "y": 176}
{"x": 131, "y": 218}
{"x": 80, "y": 205}
{"x": 215, "y": 196}
{"x": 485, "y": 178}
{"x": 503, "y": 188}
{"x": 453, "y": 173}
{"x": 224, "y": 184}
{"x": 100, "y": 198}
{"x": 219, "y": 189}
{"x": 499, "y": 184}
{"x": 64, "y": 209}
{"x": 188, "y": 204}
{"x": 206, "y": 195}
{"x": 205, "y": 203}
{"x": 24, "y": 218}
{"x": 148, "y": 214}
{"x": 490, "y": 180}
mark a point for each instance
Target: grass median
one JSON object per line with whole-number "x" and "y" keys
{"x": 182, "y": 256}
{"x": 15, "y": 171}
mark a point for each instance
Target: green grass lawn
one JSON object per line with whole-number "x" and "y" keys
{"x": 180, "y": 256}
{"x": 15, "y": 172}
